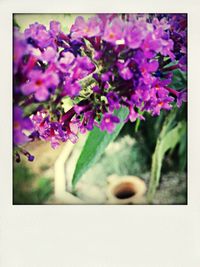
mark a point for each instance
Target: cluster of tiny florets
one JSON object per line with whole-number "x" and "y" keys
{"x": 102, "y": 64}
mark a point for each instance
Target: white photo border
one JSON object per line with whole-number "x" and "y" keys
{"x": 99, "y": 236}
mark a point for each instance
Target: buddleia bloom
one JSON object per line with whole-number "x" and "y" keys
{"x": 102, "y": 64}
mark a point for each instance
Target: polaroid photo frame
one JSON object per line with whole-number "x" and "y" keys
{"x": 83, "y": 235}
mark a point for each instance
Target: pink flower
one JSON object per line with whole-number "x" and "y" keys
{"x": 39, "y": 84}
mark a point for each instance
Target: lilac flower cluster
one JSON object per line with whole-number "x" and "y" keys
{"x": 102, "y": 64}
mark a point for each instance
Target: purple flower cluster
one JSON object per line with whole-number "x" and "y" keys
{"x": 108, "y": 61}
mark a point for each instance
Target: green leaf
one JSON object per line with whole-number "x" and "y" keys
{"x": 28, "y": 110}
{"x": 137, "y": 125}
{"x": 182, "y": 151}
{"x": 169, "y": 137}
{"x": 138, "y": 121}
{"x": 179, "y": 80}
{"x": 95, "y": 145}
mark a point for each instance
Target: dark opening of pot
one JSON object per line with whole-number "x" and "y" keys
{"x": 124, "y": 190}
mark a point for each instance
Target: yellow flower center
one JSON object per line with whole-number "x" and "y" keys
{"x": 111, "y": 35}
{"x": 107, "y": 120}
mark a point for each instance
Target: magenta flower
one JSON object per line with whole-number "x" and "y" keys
{"x": 38, "y": 35}
{"x": 124, "y": 70}
{"x": 96, "y": 89}
{"x": 182, "y": 97}
{"x": 125, "y": 73}
{"x": 39, "y": 84}
{"x": 114, "y": 31}
{"x": 88, "y": 121}
{"x": 167, "y": 47}
{"x": 81, "y": 68}
{"x": 183, "y": 63}
{"x": 108, "y": 122}
{"x": 151, "y": 45}
{"x": 134, "y": 35}
{"x": 48, "y": 55}
{"x": 49, "y": 130}
{"x": 72, "y": 131}
{"x": 141, "y": 94}
{"x": 161, "y": 104}
{"x": 161, "y": 24}
{"x": 55, "y": 27}
{"x": 146, "y": 69}
{"x": 66, "y": 61}
{"x": 81, "y": 28}
{"x": 105, "y": 77}
{"x": 113, "y": 101}
{"x": 82, "y": 107}
{"x": 71, "y": 89}
{"x": 133, "y": 115}
{"x": 19, "y": 49}
{"x": 21, "y": 125}
{"x": 105, "y": 19}
{"x": 151, "y": 66}
{"x": 85, "y": 63}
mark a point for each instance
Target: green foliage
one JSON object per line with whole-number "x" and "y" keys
{"x": 182, "y": 151}
{"x": 29, "y": 109}
{"x": 95, "y": 145}
{"x": 179, "y": 80}
{"x": 137, "y": 123}
{"x": 24, "y": 192}
{"x": 168, "y": 138}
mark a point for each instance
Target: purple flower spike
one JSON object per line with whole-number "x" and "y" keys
{"x": 131, "y": 58}
{"x": 108, "y": 122}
